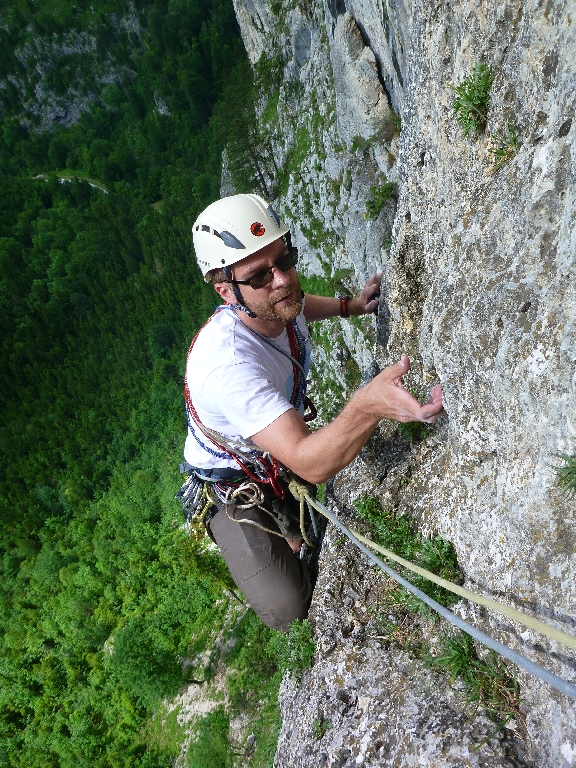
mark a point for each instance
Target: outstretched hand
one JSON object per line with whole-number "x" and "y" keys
{"x": 391, "y": 400}
{"x": 316, "y": 456}
{"x": 367, "y": 301}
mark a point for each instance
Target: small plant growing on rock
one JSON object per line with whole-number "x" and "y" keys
{"x": 472, "y": 99}
{"x": 320, "y": 727}
{"x": 397, "y": 534}
{"x": 505, "y": 147}
{"x": 359, "y": 143}
{"x": 295, "y": 651}
{"x": 566, "y": 474}
{"x": 379, "y": 194}
{"x": 489, "y": 682}
{"x": 413, "y": 431}
{"x": 396, "y": 122}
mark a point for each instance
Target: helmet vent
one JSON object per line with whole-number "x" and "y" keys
{"x": 274, "y": 216}
{"x": 231, "y": 241}
{"x": 205, "y": 228}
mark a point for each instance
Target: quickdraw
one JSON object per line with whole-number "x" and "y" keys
{"x": 196, "y": 499}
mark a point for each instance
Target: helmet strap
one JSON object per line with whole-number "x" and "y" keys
{"x": 237, "y": 295}
{"x": 243, "y": 308}
{"x": 292, "y": 248}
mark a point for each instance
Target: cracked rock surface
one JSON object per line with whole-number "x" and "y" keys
{"x": 366, "y": 702}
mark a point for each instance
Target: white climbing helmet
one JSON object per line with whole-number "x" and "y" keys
{"x": 233, "y": 228}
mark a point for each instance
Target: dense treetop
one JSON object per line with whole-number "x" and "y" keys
{"x": 101, "y": 594}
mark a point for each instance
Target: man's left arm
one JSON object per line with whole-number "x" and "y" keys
{"x": 324, "y": 307}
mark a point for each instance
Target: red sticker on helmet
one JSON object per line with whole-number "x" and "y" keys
{"x": 257, "y": 229}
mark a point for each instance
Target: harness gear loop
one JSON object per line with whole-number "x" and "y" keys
{"x": 250, "y": 494}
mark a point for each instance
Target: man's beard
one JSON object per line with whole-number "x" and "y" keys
{"x": 287, "y": 311}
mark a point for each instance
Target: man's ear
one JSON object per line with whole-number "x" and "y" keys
{"x": 224, "y": 290}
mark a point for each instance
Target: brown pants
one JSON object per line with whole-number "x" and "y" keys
{"x": 274, "y": 581}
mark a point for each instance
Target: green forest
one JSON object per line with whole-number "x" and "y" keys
{"x": 103, "y": 596}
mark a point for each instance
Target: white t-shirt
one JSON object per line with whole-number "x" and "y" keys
{"x": 239, "y": 384}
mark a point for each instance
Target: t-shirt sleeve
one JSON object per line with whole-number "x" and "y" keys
{"x": 245, "y": 396}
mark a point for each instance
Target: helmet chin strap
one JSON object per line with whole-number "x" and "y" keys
{"x": 292, "y": 248}
{"x": 237, "y": 295}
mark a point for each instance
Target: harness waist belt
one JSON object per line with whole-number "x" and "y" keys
{"x": 219, "y": 473}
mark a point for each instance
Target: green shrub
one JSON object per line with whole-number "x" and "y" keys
{"x": 566, "y": 474}
{"x": 413, "y": 431}
{"x": 359, "y": 143}
{"x": 379, "y": 194}
{"x": 295, "y": 651}
{"x": 320, "y": 728}
{"x": 144, "y": 662}
{"x": 210, "y": 745}
{"x": 251, "y": 666}
{"x": 472, "y": 99}
{"x": 506, "y": 145}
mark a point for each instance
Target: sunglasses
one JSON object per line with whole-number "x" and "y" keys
{"x": 265, "y": 276}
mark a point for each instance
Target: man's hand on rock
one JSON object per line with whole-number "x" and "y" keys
{"x": 367, "y": 301}
{"x": 388, "y": 398}
{"x": 316, "y": 456}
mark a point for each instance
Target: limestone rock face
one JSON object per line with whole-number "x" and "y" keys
{"x": 386, "y": 29}
{"x": 362, "y": 108}
{"x": 479, "y": 289}
{"x": 253, "y": 17}
{"x": 43, "y": 106}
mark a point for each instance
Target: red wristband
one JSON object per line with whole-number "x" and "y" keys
{"x": 344, "y": 312}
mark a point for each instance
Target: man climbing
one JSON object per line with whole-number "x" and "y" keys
{"x": 245, "y": 392}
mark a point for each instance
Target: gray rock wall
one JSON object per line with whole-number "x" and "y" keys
{"x": 480, "y": 290}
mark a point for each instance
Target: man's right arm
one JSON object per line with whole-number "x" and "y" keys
{"x": 317, "y": 456}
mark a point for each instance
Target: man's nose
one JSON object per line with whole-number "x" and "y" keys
{"x": 279, "y": 278}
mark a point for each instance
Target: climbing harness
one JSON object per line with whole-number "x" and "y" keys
{"x": 256, "y": 469}
{"x": 360, "y": 541}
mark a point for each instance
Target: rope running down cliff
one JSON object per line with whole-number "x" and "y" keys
{"x": 301, "y": 492}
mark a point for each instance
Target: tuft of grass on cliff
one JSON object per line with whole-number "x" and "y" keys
{"x": 566, "y": 473}
{"x": 473, "y": 99}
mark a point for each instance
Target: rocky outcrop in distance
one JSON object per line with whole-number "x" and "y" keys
{"x": 61, "y": 76}
{"x": 479, "y": 288}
